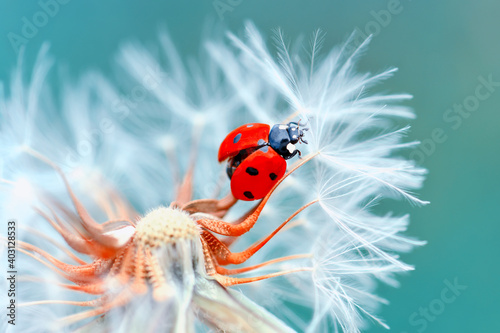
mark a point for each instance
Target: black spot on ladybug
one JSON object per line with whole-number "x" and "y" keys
{"x": 237, "y": 138}
{"x": 273, "y": 176}
{"x": 250, "y": 125}
{"x": 264, "y": 149}
{"x": 252, "y": 171}
{"x": 248, "y": 194}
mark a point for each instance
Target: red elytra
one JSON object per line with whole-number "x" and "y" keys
{"x": 258, "y": 172}
{"x": 245, "y": 136}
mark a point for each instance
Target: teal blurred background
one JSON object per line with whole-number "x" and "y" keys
{"x": 444, "y": 49}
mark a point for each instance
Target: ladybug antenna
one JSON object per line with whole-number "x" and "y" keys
{"x": 298, "y": 123}
{"x": 301, "y": 131}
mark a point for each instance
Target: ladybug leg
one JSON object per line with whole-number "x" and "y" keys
{"x": 229, "y": 229}
{"x": 295, "y": 153}
{"x": 224, "y": 256}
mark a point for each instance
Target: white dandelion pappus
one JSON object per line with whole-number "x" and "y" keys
{"x": 119, "y": 250}
{"x": 340, "y": 240}
{"x": 357, "y": 166}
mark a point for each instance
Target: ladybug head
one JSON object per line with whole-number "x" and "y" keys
{"x": 296, "y": 134}
{"x": 282, "y": 138}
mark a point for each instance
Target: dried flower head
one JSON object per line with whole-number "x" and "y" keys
{"x": 127, "y": 219}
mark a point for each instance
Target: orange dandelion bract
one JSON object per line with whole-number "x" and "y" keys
{"x": 127, "y": 250}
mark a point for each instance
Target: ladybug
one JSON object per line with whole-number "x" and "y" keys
{"x": 256, "y": 157}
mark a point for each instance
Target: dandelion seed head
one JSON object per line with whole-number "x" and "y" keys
{"x": 165, "y": 226}
{"x": 164, "y": 269}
